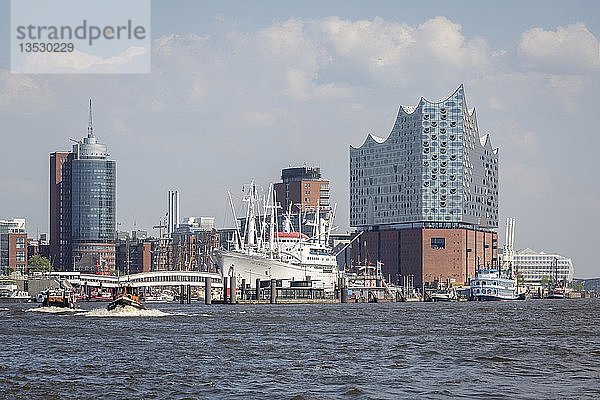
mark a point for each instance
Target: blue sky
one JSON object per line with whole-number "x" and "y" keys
{"x": 239, "y": 90}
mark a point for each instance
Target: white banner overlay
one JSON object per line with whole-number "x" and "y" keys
{"x": 80, "y": 36}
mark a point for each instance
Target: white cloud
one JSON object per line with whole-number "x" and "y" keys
{"x": 389, "y": 51}
{"x": 119, "y": 127}
{"x": 287, "y": 43}
{"x": 527, "y": 179}
{"x": 374, "y": 43}
{"x": 442, "y": 40}
{"x": 573, "y": 46}
{"x": 257, "y": 119}
{"x": 16, "y": 86}
{"x": 496, "y": 103}
{"x": 130, "y": 60}
{"x": 521, "y": 141}
{"x": 198, "y": 87}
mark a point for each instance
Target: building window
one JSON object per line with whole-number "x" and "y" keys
{"x": 438, "y": 243}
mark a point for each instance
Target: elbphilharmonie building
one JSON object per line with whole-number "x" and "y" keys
{"x": 427, "y": 195}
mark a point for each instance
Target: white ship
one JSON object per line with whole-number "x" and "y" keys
{"x": 289, "y": 256}
{"x": 490, "y": 284}
{"x": 9, "y": 292}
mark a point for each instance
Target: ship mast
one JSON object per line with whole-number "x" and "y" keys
{"x": 238, "y": 240}
{"x": 250, "y": 220}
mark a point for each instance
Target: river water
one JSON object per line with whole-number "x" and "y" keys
{"x": 503, "y": 350}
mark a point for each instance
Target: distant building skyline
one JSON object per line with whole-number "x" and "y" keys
{"x": 237, "y": 90}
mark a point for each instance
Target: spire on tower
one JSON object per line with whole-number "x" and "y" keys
{"x": 90, "y": 122}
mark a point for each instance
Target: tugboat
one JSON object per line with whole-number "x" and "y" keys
{"x": 126, "y": 299}
{"x": 557, "y": 290}
{"x": 60, "y": 298}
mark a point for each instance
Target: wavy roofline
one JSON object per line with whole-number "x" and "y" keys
{"x": 373, "y": 138}
{"x": 407, "y": 109}
{"x": 484, "y": 140}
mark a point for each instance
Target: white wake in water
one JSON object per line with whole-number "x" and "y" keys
{"x": 55, "y": 310}
{"x": 126, "y": 311}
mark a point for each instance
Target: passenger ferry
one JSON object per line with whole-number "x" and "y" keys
{"x": 490, "y": 285}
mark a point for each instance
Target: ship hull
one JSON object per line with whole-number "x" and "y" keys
{"x": 124, "y": 301}
{"x": 496, "y": 298}
{"x": 252, "y": 267}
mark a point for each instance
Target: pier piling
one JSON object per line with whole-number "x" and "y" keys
{"x": 243, "y": 289}
{"x": 207, "y": 291}
{"x": 273, "y": 291}
{"x": 232, "y": 290}
{"x": 257, "y": 289}
{"x": 189, "y": 294}
{"x": 181, "y": 294}
{"x": 343, "y": 291}
{"x": 225, "y": 280}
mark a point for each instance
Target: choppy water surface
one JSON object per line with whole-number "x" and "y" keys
{"x": 531, "y": 349}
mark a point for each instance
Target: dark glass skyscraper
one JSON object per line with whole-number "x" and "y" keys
{"x": 85, "y": 227}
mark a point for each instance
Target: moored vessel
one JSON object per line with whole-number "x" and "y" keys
{"x": 9, "y": 293}
{"x": 490, "y": 285}
{"x": 61, "y": 298}
{"x": 261, "y": 251}
{"x": 444, "y": 294}
{"x": 366, "y": 283}
{"x": 163, "y": 296}
{"x": 556, "y": 292}
{"x": 557, "y": 289}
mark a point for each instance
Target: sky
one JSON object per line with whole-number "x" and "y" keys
{"x": 239, "y": 90}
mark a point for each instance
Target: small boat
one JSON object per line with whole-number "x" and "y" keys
{"x": 447, "y": 294}
{"x": 557, "y": 292}
{"x": 159, "y": 297}
{"x": 61, "y": 298}
{"x": 9, "y": 293}
{"x": 126, "y": 299}
{"x": 557, "y": 289}
{"x": 101, "y": 296}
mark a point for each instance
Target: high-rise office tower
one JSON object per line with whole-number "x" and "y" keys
{"x": 427, "y": 196}
{"x": 173, "y": 211}
{"x": 83, "y": 206}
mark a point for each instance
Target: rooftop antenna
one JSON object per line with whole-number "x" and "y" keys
{"x": 90, "y": 122}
